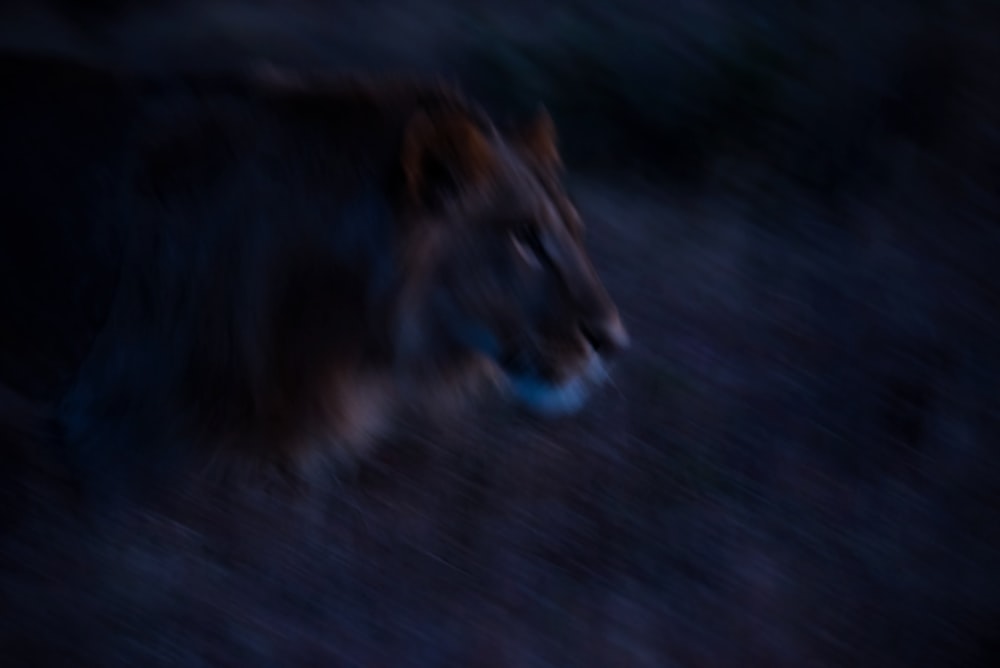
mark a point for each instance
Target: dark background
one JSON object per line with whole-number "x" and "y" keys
{"x": 796, "y": 205}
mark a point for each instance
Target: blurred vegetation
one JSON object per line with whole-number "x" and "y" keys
{"x": 826, "y": 94}
{"x": 821, "y": 90}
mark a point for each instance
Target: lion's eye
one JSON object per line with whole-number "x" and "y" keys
{"x": 528, "y": 244}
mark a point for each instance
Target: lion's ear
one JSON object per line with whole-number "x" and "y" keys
{"x": 443, "y": 154}
{"x": 538, "y": 139}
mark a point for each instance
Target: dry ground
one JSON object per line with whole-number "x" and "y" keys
{"x": 794, "y": 468}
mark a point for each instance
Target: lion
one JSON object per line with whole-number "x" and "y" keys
{"x": 274, "y": 262}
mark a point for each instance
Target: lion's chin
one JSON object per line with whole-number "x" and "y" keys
{"x": 547, "y": 399}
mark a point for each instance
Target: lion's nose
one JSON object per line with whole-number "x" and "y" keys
{"x": 607, "y": 335}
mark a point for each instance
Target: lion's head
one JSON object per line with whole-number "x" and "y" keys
{"x": 495, "y": 261}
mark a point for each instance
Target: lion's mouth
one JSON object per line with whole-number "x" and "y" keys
{"x": 549, "y": 398}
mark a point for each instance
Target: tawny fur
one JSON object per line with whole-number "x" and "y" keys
{"x": 270, "y": 264}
